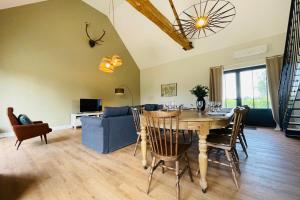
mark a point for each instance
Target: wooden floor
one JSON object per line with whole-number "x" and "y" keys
{"x": 65, "y": 169}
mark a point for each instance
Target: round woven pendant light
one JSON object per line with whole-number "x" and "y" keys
{"x": 205, "y": 18}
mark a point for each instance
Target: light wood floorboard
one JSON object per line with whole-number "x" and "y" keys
{"x": 65, "y": 169}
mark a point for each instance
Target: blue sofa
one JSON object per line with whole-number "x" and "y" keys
{"x": 114, "y": 130}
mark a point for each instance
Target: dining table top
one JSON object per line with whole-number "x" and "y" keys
{"x": 195, "y": 116}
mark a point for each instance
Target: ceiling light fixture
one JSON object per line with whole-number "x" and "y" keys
{"x": 108, "y": 64}
{"x": 205, "y": 18}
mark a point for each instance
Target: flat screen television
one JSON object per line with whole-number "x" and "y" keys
{"x": 90, "y": 105}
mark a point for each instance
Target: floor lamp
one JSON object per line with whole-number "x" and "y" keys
{"x": 121, "y": 91}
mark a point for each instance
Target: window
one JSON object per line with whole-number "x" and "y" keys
{"x": 247, "y": 86}
{"x": 230, "y": 94}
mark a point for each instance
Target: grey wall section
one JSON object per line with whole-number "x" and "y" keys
{"x": 46, "y": 64}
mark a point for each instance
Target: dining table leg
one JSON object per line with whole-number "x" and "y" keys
{"x": 144, "y": 146}
{"x": 203, "y": 132}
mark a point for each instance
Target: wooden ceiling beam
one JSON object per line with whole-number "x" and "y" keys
{"x": 152, "y": 13}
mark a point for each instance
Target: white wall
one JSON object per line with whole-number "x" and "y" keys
{"x": 194, "y": 70}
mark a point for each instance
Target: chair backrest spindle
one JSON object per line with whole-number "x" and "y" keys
{"x": 136, "y": 119}
{"x": 239, "y": 114}
{"x": 163, "y": 132}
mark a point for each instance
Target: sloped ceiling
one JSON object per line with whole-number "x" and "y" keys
{"x": 150, "y": 47}
{"x": 14, "y": 3}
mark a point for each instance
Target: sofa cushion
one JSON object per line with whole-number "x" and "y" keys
{"x": 24, "y": 119}
{"x": 115, "y": 111}
{"x": 153, "y": 107}
{"x": 159, "y": 107}
{"x": 150, "y": 107}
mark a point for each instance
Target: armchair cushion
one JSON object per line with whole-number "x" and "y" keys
{"x": 24, "y": 119}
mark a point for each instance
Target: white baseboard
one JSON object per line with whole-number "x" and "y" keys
{"x": 55, "y": 128}
{"x": 8, "y": 134}
{"x": 62, "y": 127}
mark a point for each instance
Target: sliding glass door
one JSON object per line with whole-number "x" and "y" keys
{"x": 249, "y": 86}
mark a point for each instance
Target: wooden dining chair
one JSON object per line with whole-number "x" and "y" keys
{"x": 244, "y": 124}
{"x": 163, "y": 131}
{"x": 137, "y": 124}
{"x": 241, "y": 136}
{"x": 227, "y": 144}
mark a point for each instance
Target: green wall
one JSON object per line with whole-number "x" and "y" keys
{"x": 46, "y": 64}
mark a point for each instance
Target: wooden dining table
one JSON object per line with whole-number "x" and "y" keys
{"x": 195, "y": 121}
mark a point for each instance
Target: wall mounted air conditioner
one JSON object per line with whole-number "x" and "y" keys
{"x": 253, "y": 51}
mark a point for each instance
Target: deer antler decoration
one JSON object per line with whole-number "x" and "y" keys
{"x": 93, "y": 42}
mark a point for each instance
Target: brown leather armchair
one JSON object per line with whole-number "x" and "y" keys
{"x": 24, "y": 132}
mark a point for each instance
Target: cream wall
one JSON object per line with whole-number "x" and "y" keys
{"x": 195, "y": 70}
{"x": 46, "y": 64}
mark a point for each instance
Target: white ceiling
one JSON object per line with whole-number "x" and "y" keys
{"x": 13, "y": 3}
{"x": 149, "y": 46}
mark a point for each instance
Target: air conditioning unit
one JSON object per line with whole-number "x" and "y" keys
{"x": 253, "y": 51}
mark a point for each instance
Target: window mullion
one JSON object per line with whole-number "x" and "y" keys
{"x": 253, "y": 102}
{"x": 238, "y": 88}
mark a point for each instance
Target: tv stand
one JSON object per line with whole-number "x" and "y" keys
{"x": 75, "y": 117}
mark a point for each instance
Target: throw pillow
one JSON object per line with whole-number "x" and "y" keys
{"x": 24, "y": 119}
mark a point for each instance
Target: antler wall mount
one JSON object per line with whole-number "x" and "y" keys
{"x": 93, "y": 42}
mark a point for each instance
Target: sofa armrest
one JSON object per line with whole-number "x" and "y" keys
{"x": 91, "y": 121}
{"x": 24, "y": 132}
{"x": 95, "y": 133}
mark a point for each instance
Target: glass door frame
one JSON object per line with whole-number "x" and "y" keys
{"x": 238, "y": 81}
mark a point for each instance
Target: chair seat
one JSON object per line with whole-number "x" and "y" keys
{"x": 221, "y": 141}
{"x": 182, "y": 148}
{"x": 221, "y": 131}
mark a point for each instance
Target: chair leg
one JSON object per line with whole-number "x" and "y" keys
{"x": 244, "y": 138}
{"x": 191, "y": 136}
{"x": 16, "y": 142}
{"x": 189, "y": 167}
{"x": 236, "y": 154}
{"x": 183, "y": 135}
{"x": 41, "y": 138}
{"x": 243, "y": 145}
{"x": 162, "y": 167}
{"x": 236, "y": 161}
{"x": 229, "y": 158}
{"x": 177, "y": 180}
{"x": 45, "y": 137}
{"x": 137, "y": 143}
{"x": 19, "y": 145}
{"x": 151, "y": 173}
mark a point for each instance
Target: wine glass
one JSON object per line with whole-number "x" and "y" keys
{"x": 209, "y": 106}
{"x": 213, "y": 106}
{"x": 218, "y": 106}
